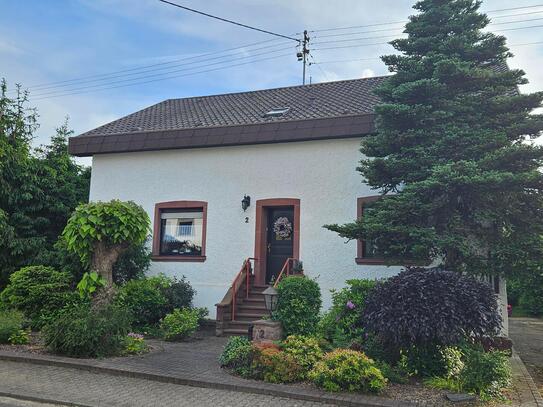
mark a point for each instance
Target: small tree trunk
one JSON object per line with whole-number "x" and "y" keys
{"x": 104, "y": 257}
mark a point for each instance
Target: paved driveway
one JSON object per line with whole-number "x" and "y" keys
{"x": 527, "y": 336}
{"x": 98, "y": 389}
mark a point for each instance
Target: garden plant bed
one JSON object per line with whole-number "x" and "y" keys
{"x": 36, "y": 347}
{"x": 195, "y": 363}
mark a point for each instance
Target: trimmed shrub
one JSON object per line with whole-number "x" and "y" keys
{"x": 81, "y": 331}
{"x": 38, "y": 291}
{"x": 11, "y": 322}
{"x": 305, "y": 351}
{"x": 178, "y": 293}
{"x": 298, "y": 305}
{"x": 341, "y": 324}
{"x": 430, "y": 307}
{"x": 238, "y": 355}
{"x": 145, "y": 299}
{"x": 151, "y": 299}
{"x": 344, "y": 369}
{"x": 180, "y": 324}
{"x": 274, "y": 366}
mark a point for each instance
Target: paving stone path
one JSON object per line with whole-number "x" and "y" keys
{"x": 11, "y": 402}
{"x": 98, "y": 389}
{"x": 527, "y": 336}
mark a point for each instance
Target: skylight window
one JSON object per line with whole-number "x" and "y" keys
{"x": 277, "y": 112}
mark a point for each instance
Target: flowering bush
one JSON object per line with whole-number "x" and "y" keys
{"x": 134, "y": 344}
{"x": 305, "y": 351}
{"x": 345, "y": 369}
{"x": 341, "y": 324}
{"x": 275, "y": 366}
{"x": 180, "y": 324}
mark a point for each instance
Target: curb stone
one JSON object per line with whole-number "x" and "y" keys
{"x": 37, "y": 399}
{"x": 295, "y": 393}
{"x": 525, "y": 383}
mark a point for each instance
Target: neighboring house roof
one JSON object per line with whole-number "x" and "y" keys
{"x": 320, "y": 111}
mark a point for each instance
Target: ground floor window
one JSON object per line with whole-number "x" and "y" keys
{"x": 180, "y": 231}
{"x": 367, "y": 249}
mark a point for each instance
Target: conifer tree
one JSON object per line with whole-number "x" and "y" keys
{"x": 453, "y": 154}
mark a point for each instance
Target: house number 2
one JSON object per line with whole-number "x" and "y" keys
{"x": 246, "y": 220}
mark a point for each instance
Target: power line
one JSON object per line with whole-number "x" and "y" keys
{"x": 514, "y": 8}
{"x": 520, "y": 28}
{"x": 241, "y": 47}
{"x": 228, "y": 21}
{"x": 406, "y": 21}
{"x": 398, "y": 28}
{"x": 153, "y": 75}
{"x": 156, "y": 69}
{"x": 166, "y": 78}
{"x": 518, "y": 21}
{"x": 378, "y": 58}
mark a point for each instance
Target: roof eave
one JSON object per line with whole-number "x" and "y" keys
{"x": 263, "y": 133}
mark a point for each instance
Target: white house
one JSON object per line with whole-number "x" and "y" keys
{"x": 289, "y": 153}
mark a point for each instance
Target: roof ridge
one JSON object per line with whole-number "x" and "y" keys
{"x": 319, "y": 84}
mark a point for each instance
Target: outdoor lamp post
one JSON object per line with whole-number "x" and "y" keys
{"x": 270, "y": 298}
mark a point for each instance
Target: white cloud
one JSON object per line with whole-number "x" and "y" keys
{"x": 9, "y": 48}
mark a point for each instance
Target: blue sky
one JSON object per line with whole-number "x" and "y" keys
{"x": 43, "y": 42}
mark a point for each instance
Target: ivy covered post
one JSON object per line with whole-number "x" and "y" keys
{"x": 99, "y": 232}
{"x": 453, "y": 155}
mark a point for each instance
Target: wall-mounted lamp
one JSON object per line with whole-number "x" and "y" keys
{"x": 245, "y": 202}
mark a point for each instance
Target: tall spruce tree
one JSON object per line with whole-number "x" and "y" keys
{"x": 453, "y": 154}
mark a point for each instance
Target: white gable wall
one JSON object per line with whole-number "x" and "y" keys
{"x": 322, "y": 174}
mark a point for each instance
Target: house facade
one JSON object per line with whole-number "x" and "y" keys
{"x": 290, "y": 154}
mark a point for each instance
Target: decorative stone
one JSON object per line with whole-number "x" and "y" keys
{"x": 265, "y": 330}
{"x": 459, "y": 397}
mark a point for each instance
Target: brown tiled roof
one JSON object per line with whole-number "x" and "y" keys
{"x": 321, "y": 111}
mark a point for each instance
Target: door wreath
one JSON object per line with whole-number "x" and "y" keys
{"x": 282, "y": 227}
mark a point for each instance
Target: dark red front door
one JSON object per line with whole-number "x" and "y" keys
{"x": 280, "y": 238}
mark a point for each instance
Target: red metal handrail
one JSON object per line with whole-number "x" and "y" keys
{"x": 245, "y": 272}
{"x": 285, "y": 271}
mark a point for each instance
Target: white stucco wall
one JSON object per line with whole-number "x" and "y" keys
{"x": 322, "y": 174}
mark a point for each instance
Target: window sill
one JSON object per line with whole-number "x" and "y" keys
{"x": 194, "y": 259}
{"x": 378, "y": 262}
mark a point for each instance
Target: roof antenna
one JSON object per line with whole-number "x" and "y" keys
{"x": 310, "y": 80}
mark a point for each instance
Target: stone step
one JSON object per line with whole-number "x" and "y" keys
{"x": 252, "y": 307}
{"x": 249, "y": 316}
{"x": 252, "y": 297}
{"x": 234, "y": 332}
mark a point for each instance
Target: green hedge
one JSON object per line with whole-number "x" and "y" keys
{"x": 298, "y": 306}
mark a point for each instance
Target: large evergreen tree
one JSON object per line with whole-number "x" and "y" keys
{"x": 453, "y": 154}
{"x": 38, "y": 189}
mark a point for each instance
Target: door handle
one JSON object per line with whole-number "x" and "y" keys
{"x": 269, "y": 247}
